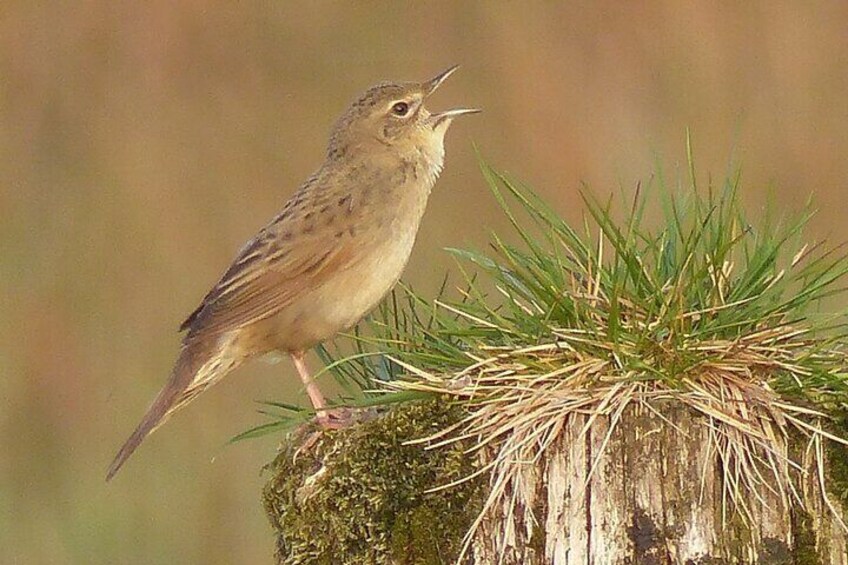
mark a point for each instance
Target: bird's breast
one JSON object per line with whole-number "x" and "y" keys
{"x": 381, "y": 233}
{"x": 342, "y": 300}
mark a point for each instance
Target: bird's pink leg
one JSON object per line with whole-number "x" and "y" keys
{"x": 328, "y": 419}
{"x": 312, "y": 389}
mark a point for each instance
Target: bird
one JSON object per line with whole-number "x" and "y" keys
{"x": 335, "y": 250}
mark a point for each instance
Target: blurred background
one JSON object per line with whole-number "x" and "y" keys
{"x": 142, "y": 143}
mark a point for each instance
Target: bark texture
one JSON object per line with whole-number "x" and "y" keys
{"x": 651, "y": 492}
{"x": 656, "y": 495}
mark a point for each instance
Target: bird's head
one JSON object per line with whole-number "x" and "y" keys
{"x": 392, "y": 115}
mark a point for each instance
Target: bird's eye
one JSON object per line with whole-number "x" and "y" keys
{"x": 400, "y": 109}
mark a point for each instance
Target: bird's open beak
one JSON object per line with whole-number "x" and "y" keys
{"x": 431, "y": 85}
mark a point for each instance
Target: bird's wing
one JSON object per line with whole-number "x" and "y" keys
{"x": 268, "y": 274}
{"x": 250, "y": 253}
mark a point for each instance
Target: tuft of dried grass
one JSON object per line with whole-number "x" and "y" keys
{"x": 518, "y": 412}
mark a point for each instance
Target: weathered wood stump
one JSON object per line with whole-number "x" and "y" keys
{"x": 653, "y": 491}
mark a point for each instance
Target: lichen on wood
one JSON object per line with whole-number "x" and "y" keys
{"x": 362, "y": 495}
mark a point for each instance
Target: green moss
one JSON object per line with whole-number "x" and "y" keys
{"x": 804, "y": 551}
{"x": 359, "y": 495}
{"x": 837, "y": 460}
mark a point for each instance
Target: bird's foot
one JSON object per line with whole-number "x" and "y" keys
{"x": 331, "y": 419}
{"x": 340, "y": 418}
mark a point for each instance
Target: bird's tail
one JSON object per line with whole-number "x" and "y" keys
{"x": 191, "y": 375}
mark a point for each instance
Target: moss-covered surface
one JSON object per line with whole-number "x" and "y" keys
{"x": 837, "y": 464}
{"x": 359, "y": 495}
{"x": 805, "y": 551}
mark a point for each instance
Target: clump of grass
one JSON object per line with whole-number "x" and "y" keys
{"x": 703, "y": 307}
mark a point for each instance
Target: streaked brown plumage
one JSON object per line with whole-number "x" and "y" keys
{"x": 339, "y": 245}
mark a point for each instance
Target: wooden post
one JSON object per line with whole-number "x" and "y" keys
{"x": 651, "y": 492}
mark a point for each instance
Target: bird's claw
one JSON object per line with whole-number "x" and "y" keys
{"x": 339, "y": 418}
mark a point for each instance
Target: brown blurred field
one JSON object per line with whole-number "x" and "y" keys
{"x": 140, "y": 145}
